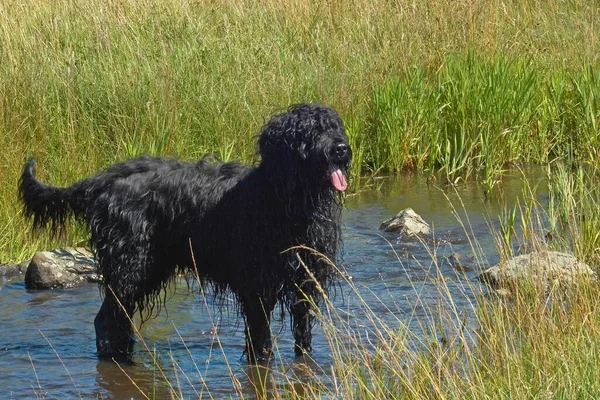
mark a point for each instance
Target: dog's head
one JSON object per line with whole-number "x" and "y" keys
{"x": 307, "y": 143}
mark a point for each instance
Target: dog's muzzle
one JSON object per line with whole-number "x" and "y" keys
{"x": 340, "y": 155}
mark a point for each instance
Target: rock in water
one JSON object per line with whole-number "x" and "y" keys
{"x": 61, "y": 268}
{"x": 8, "y": 271}
{"x": 408, "y": 223}
{"x": 545, "y": 267}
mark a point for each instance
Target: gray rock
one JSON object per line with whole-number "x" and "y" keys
{"x": 11, "y": 270}
{"x": 408, "y": 223}
{"x": 61, "y": 268}
{"x": 545, "y": 267}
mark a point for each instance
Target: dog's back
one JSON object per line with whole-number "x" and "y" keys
{"x": 164, "y": 201}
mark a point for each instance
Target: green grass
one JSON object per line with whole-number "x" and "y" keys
{"x": 475, "y": 115}
{"x": 523, "y": 347}
{"x": 458, "y": 89}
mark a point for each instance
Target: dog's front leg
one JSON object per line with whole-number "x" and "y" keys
{"x": 302, "y": 321}
{"x": 257, "y": 312}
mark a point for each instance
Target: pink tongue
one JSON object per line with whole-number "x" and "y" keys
{"x": 338, "y": 180}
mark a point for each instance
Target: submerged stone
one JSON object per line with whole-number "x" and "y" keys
{"x": 11, "y": 270}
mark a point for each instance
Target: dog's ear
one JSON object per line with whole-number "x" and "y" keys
{"x": 284, "y": 136}
{"x": 273, "y": 146}
{"x": 269, "y": 143}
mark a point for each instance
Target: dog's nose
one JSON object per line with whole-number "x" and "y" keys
{"x": 340, "y": 151}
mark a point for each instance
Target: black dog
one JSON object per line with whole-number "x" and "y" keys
{"x": 238, "y": 228}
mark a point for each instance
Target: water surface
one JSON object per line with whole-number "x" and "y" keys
{"x": 47, "y": 342}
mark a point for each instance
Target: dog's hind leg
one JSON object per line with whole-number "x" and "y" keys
{"x": 123, "y": 265}
{"x": 257, "y": 312}
{"x": 114, "y": 332}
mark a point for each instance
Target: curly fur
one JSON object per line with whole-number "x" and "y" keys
{"x": 148, "y": 216}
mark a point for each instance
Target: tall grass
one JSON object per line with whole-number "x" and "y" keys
{"x": 534, "y": 341}
{"x": 475, "y": 115}
{"x": 460, "y": 88}
{"x": 573, "y": 207}
{"x": 521, "y": 348}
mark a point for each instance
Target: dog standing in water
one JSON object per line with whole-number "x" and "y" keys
{"x": 243, "y": 229}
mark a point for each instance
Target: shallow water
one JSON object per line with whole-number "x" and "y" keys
{"x": 47, "y": 343}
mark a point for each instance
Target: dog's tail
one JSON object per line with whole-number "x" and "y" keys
{"x": 49, "y": 205}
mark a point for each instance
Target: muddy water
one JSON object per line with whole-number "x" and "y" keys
{"x": 47, "y": 346}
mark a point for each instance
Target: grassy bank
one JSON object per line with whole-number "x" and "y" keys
{"x": 528, "y": 346}
{"x": 458, "y": 88}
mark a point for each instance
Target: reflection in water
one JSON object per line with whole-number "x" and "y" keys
{"x": 259, "y": 380}
{"x": 398, "y": 280}
{"x": 129, "y": 381}
{"x": 43, "y": 297}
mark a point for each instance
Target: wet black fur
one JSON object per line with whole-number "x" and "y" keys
{"x": 144, "y": 214}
